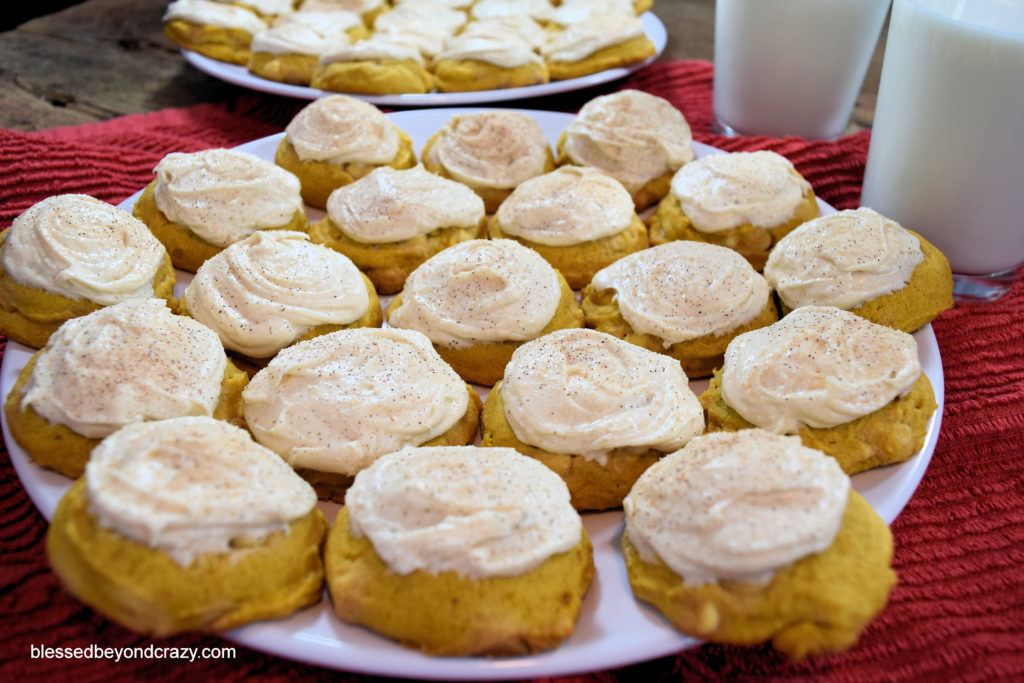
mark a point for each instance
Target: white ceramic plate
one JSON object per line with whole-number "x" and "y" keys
{"x": 614, "y": 630}
{"x": 239, "y": 75}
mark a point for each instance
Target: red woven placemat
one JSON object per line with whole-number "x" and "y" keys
{"x": 957, "y": 613}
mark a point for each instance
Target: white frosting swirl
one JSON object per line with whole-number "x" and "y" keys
{"x": 480, "y": 512}
{"x": 523, "y": 27}
{"x": 722, "y": 191}
{"x": 263, "y": 293}
{"x": 842, "y": 260}
{"x": 188, "y": 486}
{"x": 265, "y": 7}
{"x": 390, "y": 205}
{"x": 480, "y": 291}
{"x": 578, "y": 41}
{"x": 499, "y": 48}
{"x": 224, "y": 195}
{"x": 819, "y": 367}
{"x": 307, "y": 33}
{"x": 337, "y": 402}
{"x": 632, "y": 136}
{"x": 126, "y": 363}
{"x": 567, "y": 206}
{"x": 340, "y": 129}
{"x": 82, "y": 248}
{"x": 585, "y": 392}
{"x": 378, "y": 47}
{"x": 683, "y": 290}
{"x": 736, "y": 506}
{"x": 442, "y": 19}
{"x": 209, "y": 13}
{"x": 493, "y": 149}
{"x": 541, "y": 10}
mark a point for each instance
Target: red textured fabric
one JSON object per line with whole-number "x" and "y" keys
{"x": 957, "y": 613}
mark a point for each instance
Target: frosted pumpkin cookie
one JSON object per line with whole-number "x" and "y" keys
{"x": 217, "y": 30}
{"x": 275, "y": 288}
{"x": 130, "y": 362}
{"x": 482, "y": 60}
{"x": 187, "y": 524}
{"x": 333, "y": 404}
{"x": 69, "y": 255}
{"x": 684, "y": 299}
{"x": 746, "y": 201}
{"x": 491, "y": 152}
{"x": 750, "y": 537}
{"x": 201, "y": 202}
{"x": 579, "y": 219}
{"x": 639, "y": 139}
{"x": 863, "y": 262}
{"x": 391, "y": 221}
{"x": 460, "y": 551}
{"x": 336, "y": 140}
{"x": 849, "y": 387}
{"x": 596, "y": 410}
{"x": 374, "y": 66}
{"x": 601, "y": 41}
{"x": 290, "y": 50}
{"x": 480, "y": 300}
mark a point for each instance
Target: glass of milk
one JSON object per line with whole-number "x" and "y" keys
{"x": 792, "y": 67}
{"x": 947, "y": 146}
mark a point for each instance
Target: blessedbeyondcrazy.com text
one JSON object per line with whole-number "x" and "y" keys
{"x": 190, "y": 654}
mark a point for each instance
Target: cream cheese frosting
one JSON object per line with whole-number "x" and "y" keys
{"x": 736, "y": 506}
{"x": 585, "y": 392}
{"x": 568, "y": 206}
{"x": 125, "y": 363}
{"x": 389, "y": 205}
{"x": 519, "y": 25}
{"x": 188, "y": 486}
{"x": 263, "y": 293}
{"x": 575, "y": 11}
{"x": 337, "y": 402}
{"x": 683, "y": 290}
{"x": 307, "y": 33}
{"x": 502, "y": 49}
{"x": 358, "y": 6}
{"x": 493, "y": 149}
{"x": 722, "y": 191}
{"x": 479, "y": 291}
{"x": 630, "y": 135}
{"x": 819, "y": 366}
{"x": 481, "y": 512}
{"x": 340, "y": 129}
{"x": 578, "y": 41}
{"x": 265, "y": 7}
{"x": 82, "y": 248}
{"x": 376, "y": 47}
{"x": 210, "y": 13}
{"x": 540, "y": 10}
{"x": 441, "y": 18}
{"x": 842, "y": 260}
{"x": 224, "y": 195}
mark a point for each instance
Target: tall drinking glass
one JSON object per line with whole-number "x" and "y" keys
{"x": 792, "y": 67}
{"x": 947, "y": 147}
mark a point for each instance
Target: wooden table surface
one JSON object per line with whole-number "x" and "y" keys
{"x": 105, "y": 58}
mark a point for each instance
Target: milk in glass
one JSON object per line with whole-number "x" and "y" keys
{"x": 947, "y": 148}
{"x": 792, "y": 67}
